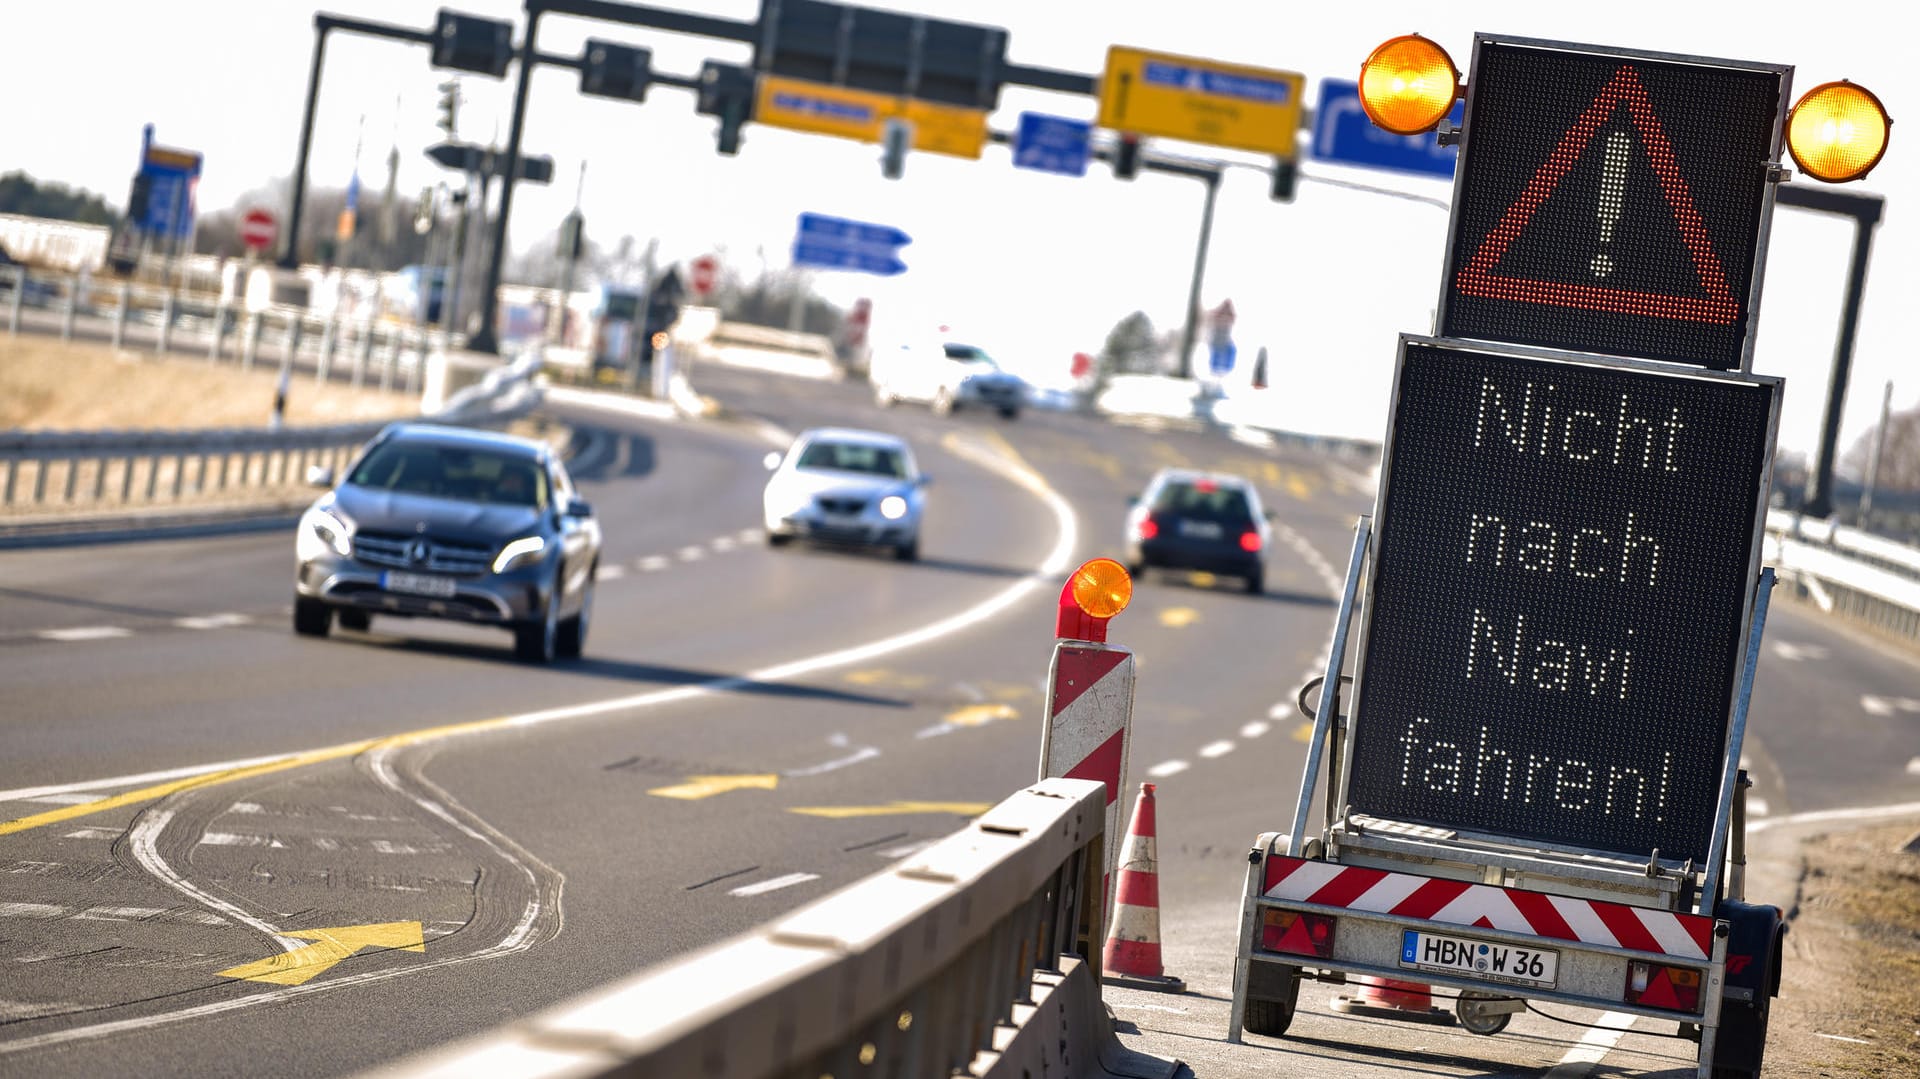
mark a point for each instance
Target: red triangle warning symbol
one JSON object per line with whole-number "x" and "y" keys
{"x": 1480, "y": 276}
{"x": 1660, "y": 994}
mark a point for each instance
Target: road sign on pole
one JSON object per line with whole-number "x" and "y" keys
{"x": 838, "y": 243}
{"x": 1185, "y": 97}
{"x": 258, "y": 229}
{"x": 847, "y": 113}
{"x": 1052, "y": 144}
{"x": 1342, "y": 135}
{"x": 706, "y": 272}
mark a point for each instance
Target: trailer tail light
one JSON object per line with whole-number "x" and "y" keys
{"x": 1296, "y": 934}
{"x": 1250, "y": 541}
{"x": 1149, "y": 528}
{"x": 1652, "y": 985}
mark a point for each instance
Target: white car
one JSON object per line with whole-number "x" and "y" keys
{"x": 947, "y": 375}
{"x": 844, "y": 486}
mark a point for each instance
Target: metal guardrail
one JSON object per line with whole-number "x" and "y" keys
{"x": 362, "y": 351}
{"x": 1848, "y": 573}
{"x": 55, "y": 470}
{"x": 924, "y": 969}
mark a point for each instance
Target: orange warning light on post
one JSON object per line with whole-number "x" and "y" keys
{"x": 1838, "y": 132}
{"x": 1098, "y": 590}
{"x": 1408, "y": 85}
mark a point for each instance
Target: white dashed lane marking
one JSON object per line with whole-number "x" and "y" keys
{"x": 226, "y": 620}
{"x": 1255, "y": 729}
{"x": 1280, "y": 711}
{"x": 234, "y": 839}
{"x": 611, "y": 573}
{"x": 692, "y": 554}
{"x": 1167, "y": 768}
{"x": 654, "y": 562}
{"x": 94, "y": 833}
{"x": 774, "y": 885}
{"x": 84, "y": 633}
{"x": 1216, "y": 749}
{"x": 724, "y": 543}
{"x": 1886, "y": 706}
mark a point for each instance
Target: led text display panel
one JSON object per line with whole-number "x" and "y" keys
{"x": 1560, "y": 579}
{"x": 1610, "y": 204}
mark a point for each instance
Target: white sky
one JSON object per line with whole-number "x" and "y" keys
{"x": 1035, "y": 266}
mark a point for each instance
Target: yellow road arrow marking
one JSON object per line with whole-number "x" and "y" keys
{"x": 1304, "y": 732}
{"x": 1298, "y": 487}
{"x": 1177, "y": 617}
{"x": 964, "y": 809}
{"x": 979, "y": 715}
{"x": 302, "y": 965}
{"x": 697, "y": 787}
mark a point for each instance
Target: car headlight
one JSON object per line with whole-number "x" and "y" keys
{"x": 321, "y": 531}
{"x": 893, "y": 507}
{"x": 521, "y": 552}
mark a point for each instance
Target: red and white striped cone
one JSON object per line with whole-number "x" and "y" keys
{"x": 1132, "y": 955}
{"x": 1391, "y": 998}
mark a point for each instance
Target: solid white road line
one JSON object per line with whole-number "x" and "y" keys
{"x": 1903, "y": 809}
{"x": 774, "y": 885}
{"x": 1593, "y": 1047}
{"x": 1167, "y": 768}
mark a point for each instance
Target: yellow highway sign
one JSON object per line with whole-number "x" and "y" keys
{"x": 1185, "y": 97}
{"x": 861, "y": 115}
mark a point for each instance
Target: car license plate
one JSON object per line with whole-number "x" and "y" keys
{"x": 1200, "y": 529}
{"x": 419, "y": 584}
{"x": 1515, "y": 964}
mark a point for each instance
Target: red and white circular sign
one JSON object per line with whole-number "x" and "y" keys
{"x": 258, "y": 229}
{"x": 706, "y": 269}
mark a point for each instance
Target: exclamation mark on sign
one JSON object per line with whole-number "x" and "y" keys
{"x": 1613, "y": 195}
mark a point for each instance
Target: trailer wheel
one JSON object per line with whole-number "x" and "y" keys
{"x": 1476, "y": 1018}
{"x": 1272, "y": 992}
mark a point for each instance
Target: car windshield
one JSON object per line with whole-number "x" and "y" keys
{"x": 854, "y": 457}
{"x": 1202, "y": 500}
{"x": 622, "y": 307}
{"x": 456, "y": 472}
{"x": 973, "y": 357}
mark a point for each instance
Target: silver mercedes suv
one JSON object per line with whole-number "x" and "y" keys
{"x": 451, "y": 523}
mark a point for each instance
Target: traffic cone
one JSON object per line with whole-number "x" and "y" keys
{"x": 1132, "y": 955}
{"x": 1390, "y": 998}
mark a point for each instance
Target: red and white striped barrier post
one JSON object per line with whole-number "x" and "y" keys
{"x": 1090, "y": 692}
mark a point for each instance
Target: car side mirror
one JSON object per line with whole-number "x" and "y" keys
{"x": 1271, "y": 515}
{"x": 319, "y": 476}
{"x": 772, "y": 460}
{"x": 923, "y": 480}
{"x": 578, "y": 507}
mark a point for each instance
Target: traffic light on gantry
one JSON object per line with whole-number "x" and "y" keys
{"x": 468, "y": 43}
{"x": 886, "y": 52}
{"x": 618, "y": 71}
{"x": 726, "y": 92}
{"x": 1126, "y": 157}
{"x": 895, "y": 141}
{"x": 1285, "y": 172}
{"x": 449, "y": 106}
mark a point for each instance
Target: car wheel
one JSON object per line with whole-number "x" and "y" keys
{"x": 908, "y": 551}
{"x": 538, "y": 640}
{"x": 311, "y": 618}
{"x": 943, "y": 402}
{"x": 778, "y": 539}
{"x": 1256, "y": 582}
{"x": 1009, "y": 413}
{"x": 573, "y": 631}
{"x": 357, "y": 621}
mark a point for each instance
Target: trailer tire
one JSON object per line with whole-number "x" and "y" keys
{"x": 1271, "y": 1013}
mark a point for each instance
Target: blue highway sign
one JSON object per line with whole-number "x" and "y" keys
{"x": 1343, "y": 135}
{"x": 822, "y": 230}
{"x": 874, "y": 260}
{"x": 1052, "y": 144}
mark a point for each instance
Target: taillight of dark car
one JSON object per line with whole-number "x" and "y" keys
{"x": 1250, "y": 540}
{"x": 1149, "y": 528}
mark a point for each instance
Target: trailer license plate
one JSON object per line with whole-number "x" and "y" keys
{"x": 1479, "y": 959}
{"x": 419, "y": 584}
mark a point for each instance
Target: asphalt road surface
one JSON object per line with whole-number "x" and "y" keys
{"x": 750, "y": 729}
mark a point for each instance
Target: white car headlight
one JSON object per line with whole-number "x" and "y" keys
{"x": 321, "y": 531}
{"x": 893, "y": 507}
{"x": 521, "y": 552}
